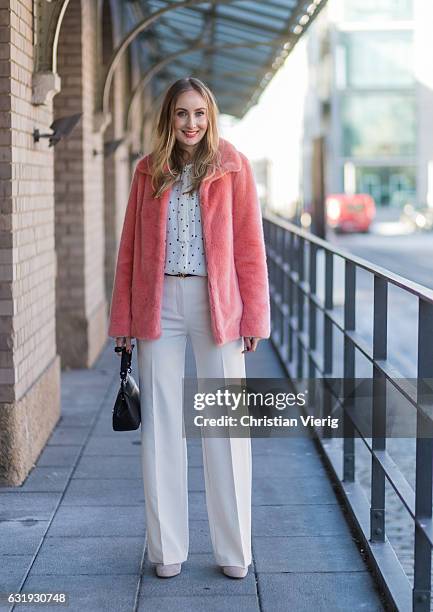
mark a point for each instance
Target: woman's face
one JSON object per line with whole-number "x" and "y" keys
{"x": 190, "y": 120}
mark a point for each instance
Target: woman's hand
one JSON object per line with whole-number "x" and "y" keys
{"x": 124, "y": 341}
{"x": 250, "y": 344}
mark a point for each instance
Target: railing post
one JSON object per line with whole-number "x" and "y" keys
{"x": 270, "y": 246}
{"x": 290, "y": 297}
{"x": 276, "y": 327}
{"x": 349, "y": 370}
{"x": 329, "y": 305}
{"x": 300, "y": 313}
{"x": 327, "y": 335}
{"x": 423, "y": 467}
{"x": 281, "y": 232}
{"x": 272, "y": 262}
{"x": 312, "y": 310}
{"x": 380, "y": 337}
{"x": 285, "y": 292}
{"x": 312, "y": 320}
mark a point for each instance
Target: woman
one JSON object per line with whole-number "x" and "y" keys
{"x": 191, "y": 263}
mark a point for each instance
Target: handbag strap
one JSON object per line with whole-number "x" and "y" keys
{"x": 125, "y": 365}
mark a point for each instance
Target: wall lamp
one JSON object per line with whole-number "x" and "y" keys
{"x": 109, "y": 147}
{"x": 61, "y": 127}
{"x": 134, "y": 155}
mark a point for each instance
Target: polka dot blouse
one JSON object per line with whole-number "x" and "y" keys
{"x": 184, "y": 247}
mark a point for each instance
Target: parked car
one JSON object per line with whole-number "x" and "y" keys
{"x": 350, "y": 213}
{"x": 417, "y": 219}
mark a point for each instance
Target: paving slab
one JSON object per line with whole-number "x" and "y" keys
{"x": 307, "y": 554}
{"x": 16, "y": 568}
{"x": 102, "y": 446}
{"x": 111, "y": 555}
{"x": 43, "y": 479}
{"x": 195, "y": 455}
{"x": 278, "y": 446}
{"x": 77, "y": 419}
{"x": 199, "y": 537}
{"x": 21, "y": 505}
{"x": 303, "y": 465}
{"x": 21, "y": 537}
{"x": 196, "y": 478}
{"x": 299, "y": 519}
{"x": 71, "y": 521}
{"x": 110, "y": 467}
{"x": 68, "y": 435}
{"x": 197, "y": 506}
{"x": 200, "y": 576}
{"x": 214, "y": 603}
{"x": 59, "y": 455}
{"x": 285, "y": 489}
{"x": 305, "y": 592}
{"x": 104, "y": 492}
{"x": 96, "y": 593}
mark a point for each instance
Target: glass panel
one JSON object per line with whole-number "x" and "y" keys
{"x": 389, "y": 186}
{"x": 378, "y": 59}
{"x": 378, "y": 124}
{"x": 374, "y": 10}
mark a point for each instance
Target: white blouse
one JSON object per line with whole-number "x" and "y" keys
{"x": 184, "y": 250}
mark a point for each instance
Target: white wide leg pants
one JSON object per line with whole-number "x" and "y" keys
{"x": 226, "y": 461}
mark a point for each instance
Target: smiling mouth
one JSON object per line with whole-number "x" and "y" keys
{"x": 190, "y": 134}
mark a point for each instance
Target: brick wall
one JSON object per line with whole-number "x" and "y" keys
{"x": 80, "y": 235}
{"x": 29, "y": 365}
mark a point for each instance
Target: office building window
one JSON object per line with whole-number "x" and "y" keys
{"x": 378, "y": 124}
{"x": 389, "y": 186}
{"x": 377, "y": 59}
{"x": 374, "y": 10}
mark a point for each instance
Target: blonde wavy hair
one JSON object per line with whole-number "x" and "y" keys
{"x": 166, "y": 156}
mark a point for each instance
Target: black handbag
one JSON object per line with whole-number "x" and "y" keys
{"x": 127, "y": 410}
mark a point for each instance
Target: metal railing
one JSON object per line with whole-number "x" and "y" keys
{"x": 293, "y": 275}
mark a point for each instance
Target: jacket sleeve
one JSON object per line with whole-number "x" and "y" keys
{"x": 250, "y": 254}
{"x": 120, "y": 311}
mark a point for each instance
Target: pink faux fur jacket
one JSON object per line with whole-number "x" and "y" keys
{"x": 234, "y": 250}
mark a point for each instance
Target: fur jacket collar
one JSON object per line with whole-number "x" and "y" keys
{"x": 231, "y": 160}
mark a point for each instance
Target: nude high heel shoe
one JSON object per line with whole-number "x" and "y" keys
{"x": 168, "y": 571}
{"x": 233, "y": 571}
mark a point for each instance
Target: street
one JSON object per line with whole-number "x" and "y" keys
{"x": 410, "y": 255}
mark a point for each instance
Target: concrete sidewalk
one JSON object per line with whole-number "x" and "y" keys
{"x": 77, "y": 524}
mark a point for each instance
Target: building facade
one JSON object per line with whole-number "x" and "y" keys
{"x": 370, "y": 98}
